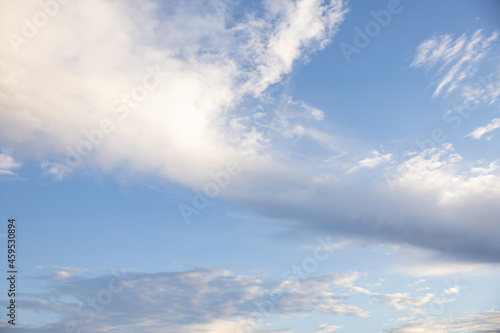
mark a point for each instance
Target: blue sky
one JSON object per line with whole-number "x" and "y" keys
{"x": 252, "y": 166}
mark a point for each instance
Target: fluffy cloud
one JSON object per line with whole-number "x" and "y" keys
{"x": 432, "y": 199}
{"x": 156, "y": 87}
{"x": 452, "y": 290}
{"x": 436, "y": 179}
{"x": 8, "y": 164}
{"x": 325, "y": 328}
{"x": 162, "y": 89}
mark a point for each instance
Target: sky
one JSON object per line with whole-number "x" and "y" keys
{"x": 251, "y": 166}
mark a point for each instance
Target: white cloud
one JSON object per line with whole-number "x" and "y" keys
{"x": 300, "y": 297}
{"x": 452, "y": 290}
{"x": 485, "y": 90}
{"x": 205, "y": 62}
{"x": 436, "y": 180}
{"x": 216, "y": 325}
{"x": 440, "y": 268}
{"x": 404, "y": 302}
{"x": 479, "y": 132}
{"x": 457, "y": 58}
{"x": 436, "y": 172}
{"x": 59, "y": 273}
{"x": 400, "y": 301}
{"x": 417, "y": 282}
{"x": 290, "y": 119}
{"x": 54, "y": 170}
{"x": 326, "y": 328}
{"x": 310, "y": 111}
{"x": 374, "y": 160}
{"x": 492, "y": 167}
{"x": 306, "y": 23}
{"x": 8, "y": 164}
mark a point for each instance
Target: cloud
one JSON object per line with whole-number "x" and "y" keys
{"x": 418, "y": 262}
{"x": 435, "y": 180}
{"x": 400, "y": 301}
{"x": 483, "y": 91}
{"x": 304, "y": 23}
{"x": 429, "y": 266}
{"x": 371, "y": 162}
{"x": 488, "y": 321}
{"x": 404, "y": 302}
{"x": 8, "y": 164}
{"x": 61, "y": 273}
{"x": 479, "y": 132}
{"x": 299, "y": 297}
{"x": 163, "y": 89}
{"x": 492, "y": 167}
{"x": 54, "y": 170}
{"x": 188, "y": 301}
{"x": 431, "y": 199}
{"x": 148, "y": 87}
{"x": 456, "y": 57}
{"x": 417, "y": 282}
{"x": 452, "y": 290}
{"x": 325, "y": 328}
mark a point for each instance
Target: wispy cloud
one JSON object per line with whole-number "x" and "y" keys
{"x": 456, "y": 58}
{"x": 326, "y": 328}
{"x": 488, "y": 321}
{"x": 61, "y": 273}
{"x": 373, "y": 160}
{"x": 189, "y": 301}
{"x": 479, "y": 132}
{"x": 203, "y": 63}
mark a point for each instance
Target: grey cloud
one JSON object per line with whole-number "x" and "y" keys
{"x": 178, "y": 301}
{"x": 487, "y": 321}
